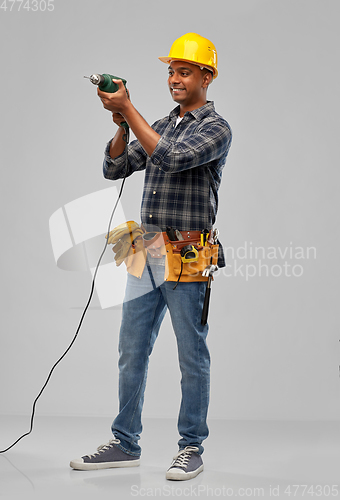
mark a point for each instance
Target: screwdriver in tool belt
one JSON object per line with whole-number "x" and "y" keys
{"x": 204, "y": 237}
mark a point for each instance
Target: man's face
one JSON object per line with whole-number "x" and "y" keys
{"x": 187, "y": 83}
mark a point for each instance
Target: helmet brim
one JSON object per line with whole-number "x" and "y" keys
{"x": 167, "y": 60}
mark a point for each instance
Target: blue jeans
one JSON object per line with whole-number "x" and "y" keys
{"x": 145, "y": 304}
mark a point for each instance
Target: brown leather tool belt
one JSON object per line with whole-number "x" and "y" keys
{"x": 159, "y": 245}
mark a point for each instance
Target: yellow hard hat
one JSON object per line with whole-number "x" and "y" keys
{"x": 195, "y": 49}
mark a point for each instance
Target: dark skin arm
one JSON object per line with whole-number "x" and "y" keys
{"x": 122, "y": 109}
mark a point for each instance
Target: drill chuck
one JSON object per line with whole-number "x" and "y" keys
{"x": 97, "y": 79}
{"x": 105, "y": 82}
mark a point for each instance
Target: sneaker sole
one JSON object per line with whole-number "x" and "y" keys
{"x": 180, "y": 475}
{"x": 103, "y": 465}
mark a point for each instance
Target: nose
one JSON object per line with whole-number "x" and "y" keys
{"x": 173, "y": 79}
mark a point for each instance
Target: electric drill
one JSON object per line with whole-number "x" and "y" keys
{"x": 106, "y": 84}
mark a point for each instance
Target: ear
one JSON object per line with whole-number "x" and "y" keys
{"x": 207, "y": 79}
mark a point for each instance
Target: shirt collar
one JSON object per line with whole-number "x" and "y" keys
{"x": 198, "y": 113}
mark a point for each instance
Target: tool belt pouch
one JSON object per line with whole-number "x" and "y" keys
{"x": 153, "y": 243}
{"x": 191, "y": 271}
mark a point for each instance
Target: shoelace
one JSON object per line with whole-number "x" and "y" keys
{"x": 183, "y": 456}
{"x": 104, "y": 447}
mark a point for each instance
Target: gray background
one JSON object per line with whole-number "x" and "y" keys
{"x": 273, "y": 340}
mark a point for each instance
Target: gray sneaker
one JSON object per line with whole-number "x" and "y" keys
{"x": 185, "y": 465}
{"x": 107, "y": 456}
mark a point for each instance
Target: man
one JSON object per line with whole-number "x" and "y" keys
{"x": 183, "y": 156}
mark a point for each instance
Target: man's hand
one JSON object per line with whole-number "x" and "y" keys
{"x": 115, "y": 102}
{"x": 118, "y": 118}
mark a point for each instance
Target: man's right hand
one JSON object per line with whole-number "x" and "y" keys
{"x": 118, "y": 118}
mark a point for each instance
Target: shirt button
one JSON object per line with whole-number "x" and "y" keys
{"x": 154, "y": 192}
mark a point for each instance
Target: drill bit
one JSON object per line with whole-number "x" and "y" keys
{"x": 96, "y": 79}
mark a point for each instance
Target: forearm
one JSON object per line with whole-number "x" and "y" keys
{"x": 147, "y": 137}
{"x": 117, "y": 145}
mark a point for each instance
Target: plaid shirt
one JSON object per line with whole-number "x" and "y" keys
{"x": 183, "y": 174}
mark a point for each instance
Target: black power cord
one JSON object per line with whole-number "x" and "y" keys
{"x": 126, "y": 139}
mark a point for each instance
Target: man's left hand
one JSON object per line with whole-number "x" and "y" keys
{"x": 115, "y": 102}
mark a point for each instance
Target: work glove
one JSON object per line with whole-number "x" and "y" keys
{"x": 122, "y": 238}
